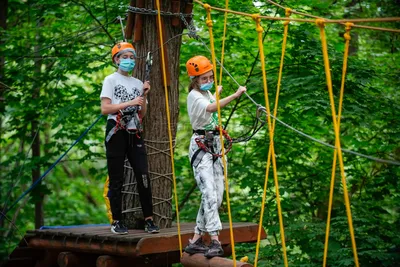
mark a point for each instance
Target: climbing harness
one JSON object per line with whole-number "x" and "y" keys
{"x": 123, "y": 119}
{"x": 205, "y": 142}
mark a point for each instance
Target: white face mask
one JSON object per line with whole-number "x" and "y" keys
{"x": 206, "y": 86}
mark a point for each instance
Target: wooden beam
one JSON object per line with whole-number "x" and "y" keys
{"x": 130, "y": 22}
{"x": 198, "y": 260}
{"x": 188, "y": 10}
{"x": 158, "y": 260}
{"x": 113, "y": 248}
{"x": 176, "y": 8}
{"x": 70, "y": 259}
{"x": 137, "y": 35}
{"x": 164, "y": 48}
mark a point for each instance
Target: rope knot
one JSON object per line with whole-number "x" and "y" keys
{"x": 288, "y": 12}
{"x": 259, "y": 29}
{"x": 209, "y": 23}
{"x": 347, "y": 36}
{"x": 207, "y": 6}
{"x": 286, "y": 23}
{"x": 320, "y": 23}
{"x": 349, "y": 25}
{"x": 256, "y": 17}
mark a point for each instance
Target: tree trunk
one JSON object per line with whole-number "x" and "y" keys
{"x": 155, "y": 122}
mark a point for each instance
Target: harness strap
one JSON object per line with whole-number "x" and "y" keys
{"x": 197, "y": 157}
{"x": 111, "y": 133}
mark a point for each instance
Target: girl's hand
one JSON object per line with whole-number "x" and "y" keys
{"x": 240, "y": 91}
{"x": 146, "y": 88}
{"x": 219, "y": 88}
{"x": 138, "y": 101}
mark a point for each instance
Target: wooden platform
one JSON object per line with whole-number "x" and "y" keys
{"x": 95, "y": 245}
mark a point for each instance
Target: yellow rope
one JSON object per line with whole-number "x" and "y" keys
{"x": 209, "y": 24}
{"x": 285, "y": 33}
{"x": 321, "y": 24}
{"x": 223, "y": 43}
{"x": 345, "y": 57}
{"x": 169, "y": 125}
{"x": 259, "y": 30}
{"x": 339, "y": 21}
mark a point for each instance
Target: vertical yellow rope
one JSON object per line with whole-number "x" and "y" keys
{"x": 345, "y": 57}
{"x": 209, "y": 24}
{"x": 285, "y": 33}
{"x": 346, "y": 52}
{"x": 259, "y": 30}
{"x": 321, "y": 24}
{"x": 223, "y": 42}
{"x": 169, "y": 124}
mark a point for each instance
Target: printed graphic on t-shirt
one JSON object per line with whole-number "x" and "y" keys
{"x": 120, "y": 92}
{"x": 214, "y": 119}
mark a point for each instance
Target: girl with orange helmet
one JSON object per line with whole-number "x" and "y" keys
{"x": 207, "y": 168}
{"x": 122, "y": 98}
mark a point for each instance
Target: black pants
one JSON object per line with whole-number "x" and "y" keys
{"x": 123, "y": 144}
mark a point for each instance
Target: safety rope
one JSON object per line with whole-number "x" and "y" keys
{"x": 347, "y": 38}
{"x": 321, "y": 24}
{"x": 160, "y": 27}
{"x": 37, "y": 182}
{"x": 210, "y": 25}
{"x": 394, "y": 19}
{"x": 285, "y": 34}
{"x": 259, "y": 29}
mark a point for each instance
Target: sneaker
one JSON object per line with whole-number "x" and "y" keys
{"x": 151, "y": 227}
{"x": 196, "y": 247}
{"x": 215, "y": 250}
{"x": 117, "y": 227}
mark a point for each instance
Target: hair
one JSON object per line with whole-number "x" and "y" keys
{"x": 194, "y": 84}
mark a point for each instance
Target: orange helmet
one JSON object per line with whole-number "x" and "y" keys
{"x": 198, "y": 65}
{"x": 121, "y": 47}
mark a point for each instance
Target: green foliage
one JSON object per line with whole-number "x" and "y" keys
{"x": 57, "y": 56}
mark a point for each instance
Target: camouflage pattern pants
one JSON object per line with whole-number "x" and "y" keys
{"x": 209, "y": 175}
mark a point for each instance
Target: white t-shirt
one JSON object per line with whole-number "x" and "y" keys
{"x": 197, "y": 103}
{"x": 120, "y": 88}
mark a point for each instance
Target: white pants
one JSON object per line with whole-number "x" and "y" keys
{"x": 209, "y": 175}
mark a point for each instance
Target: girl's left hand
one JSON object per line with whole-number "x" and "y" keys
{"x": 146, "y": 88}
{"x": 219, "y": 88}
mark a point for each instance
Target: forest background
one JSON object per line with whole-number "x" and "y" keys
{"x": 55, "y": 55}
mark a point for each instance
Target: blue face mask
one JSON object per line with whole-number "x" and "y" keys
{"x": 206, "y": 86}
{"x": 126, "y": 64}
